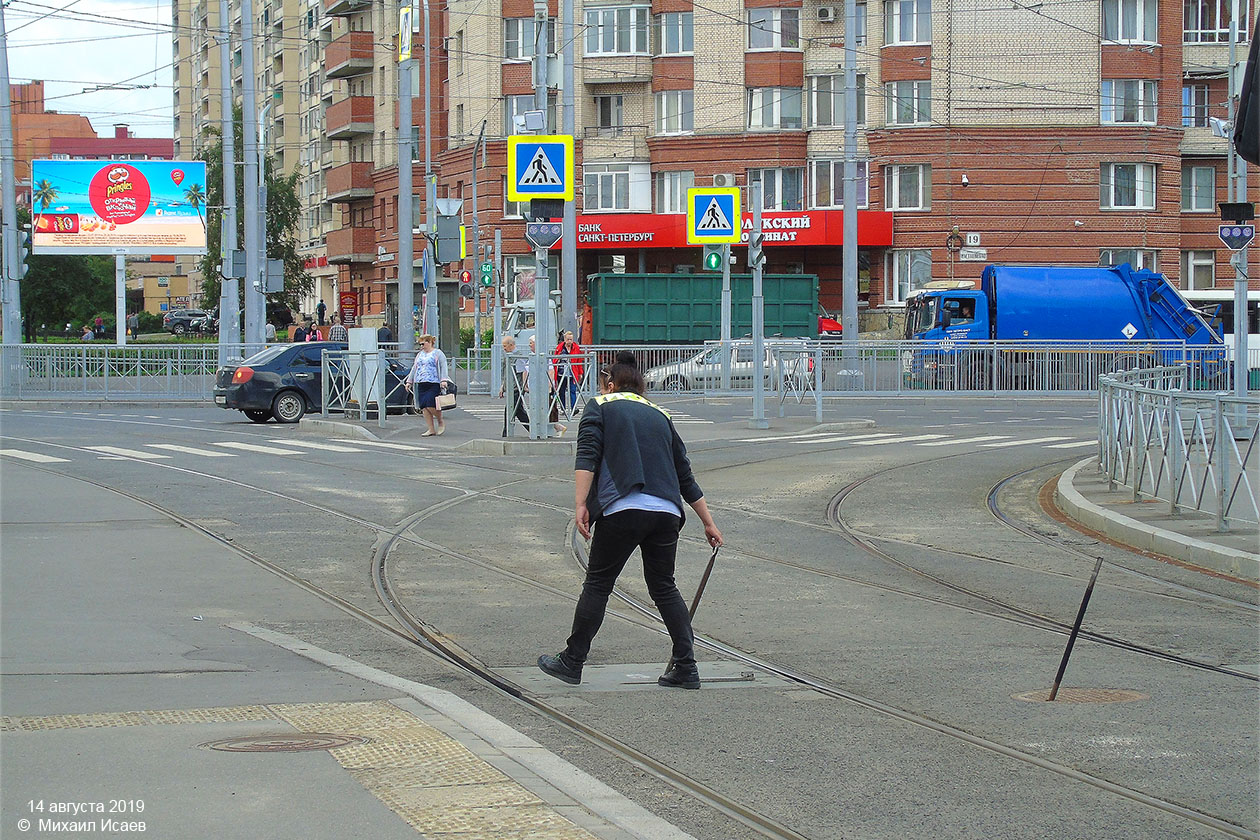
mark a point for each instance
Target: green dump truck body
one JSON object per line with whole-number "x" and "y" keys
{"x": 687, "y": 308}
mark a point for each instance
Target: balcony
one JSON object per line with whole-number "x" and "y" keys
{"x": 351, "y": 245}
{"x": 616, "y": 70}
{"x": 349, "y": 55}
{"x": 350, "y": 182}
{"x": 349, "y": 118}
{"x": 346, "y": 7}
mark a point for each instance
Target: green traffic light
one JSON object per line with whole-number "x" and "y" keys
{"x": 712, "y": 259}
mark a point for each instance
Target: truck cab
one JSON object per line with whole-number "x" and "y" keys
{"x": 518, "y": 322}
{"x": 951, "y": 309}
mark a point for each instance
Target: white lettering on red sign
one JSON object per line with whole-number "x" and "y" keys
{"x": 769, "y": 223}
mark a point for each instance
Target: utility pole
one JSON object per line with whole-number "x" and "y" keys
{"x": 12, "y": 294}
{"x": 726, "y": 310}
{"x": 406, "y": 244}
{"x": 756, "y": 259}
{"x": 496, "y": 352}
{"x": 849, "y": 246}
{"x": 430, "y": 185}
{"x": 475, "y": 246}
{"x": 1238, "y": 193}
{"x": 249, "y": 138}
{"x": 259, "y": 300}
{"x": 230, "y": 290}
{"x": 568, "y": 242}
{"x": 539, "y": 393}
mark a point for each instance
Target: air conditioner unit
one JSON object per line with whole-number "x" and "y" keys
{"x": 724, "y": 180}
{"x": 826, "y": 14}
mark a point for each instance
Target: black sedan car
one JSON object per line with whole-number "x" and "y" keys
{"x": 284, "y": 382}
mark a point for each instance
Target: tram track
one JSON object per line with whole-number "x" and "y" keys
{"x": 407, "y": 627}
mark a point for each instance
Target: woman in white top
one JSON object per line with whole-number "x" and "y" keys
{"x": 429, "y": 375}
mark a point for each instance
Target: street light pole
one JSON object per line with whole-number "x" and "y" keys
{"x": 406, "y": 245}
{"x": 230, "y": 291}
{"x": 249, "y": 154}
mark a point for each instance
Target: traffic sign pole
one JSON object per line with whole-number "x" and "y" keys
{"x": 755, "y": 257}
{"x": 726, "y": 317}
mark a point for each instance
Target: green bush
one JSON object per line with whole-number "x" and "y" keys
{"x": 150, "y": 322}
{"x": 466, "y": 339}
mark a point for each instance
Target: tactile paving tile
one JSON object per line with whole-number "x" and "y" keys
{"x": 222, "y": 714}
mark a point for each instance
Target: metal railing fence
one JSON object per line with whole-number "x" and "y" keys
{"x": 1196, "y": 451}
{"x": 109, "y": 372}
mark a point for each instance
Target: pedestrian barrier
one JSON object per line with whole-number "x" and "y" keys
{"x": 108, "y": 372}
{"x": 1160, "y": 440}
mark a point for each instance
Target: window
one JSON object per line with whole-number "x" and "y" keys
{"x": 908, "y": 187}
{"x": 1198, "y": 189}
{"x": 907, "y": 22}
{"x": 1194, "y": 106}
{"x": 675, "y": 113}
{"x": 617, "y": 186}
{"x": 517, "y": 105}
{"x": 518, "y": 38}
{"x": 909, "y": 103}
{"x": 1135, "y": 257}
{"x": 1198, "y": 269}
{"x": 457, "y": 53}
{"x": 415, "y": 144}
{"x": 774, "y": 29}
{"x": 417, "y": 219}
{"x": 1130, "y": 21}
{"x": 1128, "y": 101}
{"x": 608, "y": 111}
{"x": 911, "y": 268}
{"x": 671, "y": 190}
{"x": 826, "y": 100}
{"x": 1207, "y": 21}
{"x": 826, "y": 184}
{"x": 513, "y": 209}
{"x": 673, "y": 33}
{"x": 781, "y": 189}
{"x": 774, "y": 108}
{"x": 617, "y": 30}
{"x": 459, "y": 122}
{"x": 1127, "y": 186}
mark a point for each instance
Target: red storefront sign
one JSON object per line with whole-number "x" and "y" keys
{"x": 612, "y": 231}
{"x": 348, "y": 303}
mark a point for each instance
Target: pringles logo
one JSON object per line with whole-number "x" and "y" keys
{"x": 119, "y": 194}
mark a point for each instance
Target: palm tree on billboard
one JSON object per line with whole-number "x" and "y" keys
{"x": 45, "y": 193}
{"x": 195, "y": 197}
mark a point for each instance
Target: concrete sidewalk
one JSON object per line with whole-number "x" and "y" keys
{"x": 146, "y": 682}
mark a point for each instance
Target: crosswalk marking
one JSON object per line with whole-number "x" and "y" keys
{"x": 255, "y": 447}
{"x": 128, "y": 453}
{"x": 398, "y": 446}
{"x": 1021, "y": 442}
{"x": 909, "y": 439}
{"x": 190, "y": 450}
{"x": 1074, "y": 445}
{"x": 330, "y": 447}
{"x": 784, "y": 437}
{"x": 37, "y": 457}
{"x": 964, "y": 440}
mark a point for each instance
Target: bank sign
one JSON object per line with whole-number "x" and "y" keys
{"x": 612, "y": 231}
{"x": 118, "y": 206}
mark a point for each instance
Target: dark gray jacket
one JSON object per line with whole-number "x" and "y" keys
{"x": 636, "y": 442}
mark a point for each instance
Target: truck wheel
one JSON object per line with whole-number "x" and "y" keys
{"x": 258, "y": 416}
{"x": 288, "y": 407}
{"x": 676, "y": 384}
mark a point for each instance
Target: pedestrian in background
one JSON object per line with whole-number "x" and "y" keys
{"x": 632, "y": 475}
{"x": 88, "y": 334}
{"x": 519, "y": 366}
{"x": 553, "y": 414}
{"x": 320, "y": 310}
{"x": 299, "y": 333}
{"x": 569, "y": 370}
{"x": 133, "y": 325}
{"x": 384, "y": 335}
{"x": 338, "y": 331}
{"x": 312, "y": 334}
{"x": 100, "y": 327}
{"x": 270, "y": 333}
{"x": 429, "y": 375}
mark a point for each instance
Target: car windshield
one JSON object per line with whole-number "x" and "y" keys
{"x": 922, "y": 315}
{"x": 264, "y": 356}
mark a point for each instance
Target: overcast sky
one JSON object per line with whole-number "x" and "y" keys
{"x": 84, "y": 44}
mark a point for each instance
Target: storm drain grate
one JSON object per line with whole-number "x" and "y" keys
{"x": 1083, "y": 695}
{"x": 299, "y": 742}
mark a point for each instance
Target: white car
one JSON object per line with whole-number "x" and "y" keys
{"x": 704, "y": 369}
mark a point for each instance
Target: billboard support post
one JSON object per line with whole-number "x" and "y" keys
{"x": 120, "y": 300}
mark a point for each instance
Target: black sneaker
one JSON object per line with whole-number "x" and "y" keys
{"x": 680, "y": 676}
{"x": 561, "y": 670}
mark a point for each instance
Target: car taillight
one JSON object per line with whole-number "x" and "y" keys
{"x": 242, "y": 375}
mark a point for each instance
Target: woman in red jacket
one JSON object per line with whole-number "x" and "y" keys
{"x": 569, "y": 370}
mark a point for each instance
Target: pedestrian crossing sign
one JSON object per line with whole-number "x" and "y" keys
{"x": 713, "y": 215}
{"x": 540, "y": 166}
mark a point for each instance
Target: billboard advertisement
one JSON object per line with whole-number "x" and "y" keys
{"x": 118, "y": 206}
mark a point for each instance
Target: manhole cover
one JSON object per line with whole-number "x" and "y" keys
{"x": 297, "y": 742}
{"x": 1083, "y": 695}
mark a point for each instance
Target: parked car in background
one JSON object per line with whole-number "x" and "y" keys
{"x": 179, "y": 321}
{"x": 284, "y": 382}
{"x": 704, "y": 369}
{"x": 208, "y": 323}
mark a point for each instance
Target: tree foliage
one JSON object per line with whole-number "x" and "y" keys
{"x": 65, "y": 288}
{"x": 283, "y": 214}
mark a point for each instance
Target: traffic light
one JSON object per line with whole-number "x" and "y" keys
{"x": 487, "y": 274}
{"x": 465, "y": 284}
{"x": 756, "y": 256}
{"x": 712, "y": 257}
{"x": 24, "y": 250}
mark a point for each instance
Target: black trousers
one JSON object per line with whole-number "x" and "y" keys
{"x": 615, "y": 539}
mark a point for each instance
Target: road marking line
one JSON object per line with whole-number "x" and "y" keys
{"x": 964, "y": 440}
{"x": 910, "y": 439}
{"x": 399, "y": 446}
{"x": 1022, "y": 442}
{"x": 33, "y": 456}
{"x": 331, "y": 447}
{"x": 190, "y": 450}
{"x": 1073, "y": 445}
{"x": 128, "y": 453}
{"x": 254, "y": 447}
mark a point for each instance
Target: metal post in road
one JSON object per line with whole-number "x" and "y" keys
{"x": 120, "y": 300}
{"x": 726, "y": 315}
{"x": 849, "y": 244}
{"x": 249, "y": 154}
{"x": 756, "y": 259}
{"x": 1238, "y": 193}
{"x": 496, "y": 352}
{"x": 230, "y": 291}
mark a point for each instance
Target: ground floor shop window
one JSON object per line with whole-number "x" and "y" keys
{"x": 909, "y": 269}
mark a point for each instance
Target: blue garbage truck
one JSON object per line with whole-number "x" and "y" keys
{"x": 1054, "y": 327}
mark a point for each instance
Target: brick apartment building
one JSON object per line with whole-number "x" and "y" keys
{"x": 1068, "y": 132}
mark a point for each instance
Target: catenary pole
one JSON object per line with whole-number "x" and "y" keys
{"x": 230, "y": 290}
{"x": 259, "y": 300}
{"x": 496, "y": 352}
{"x": 430, "y": 185}
{"x": 539, "y": 393}
{"x": 758, "y": 315}
{"x": 406, "y": 244}
{"x": 849, "y": 246}
{"x": 249, "y": 155}
{"x": 568, "y": 241}
{"x": 12, "y": 295}
{"x": 1238, "y": 193}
